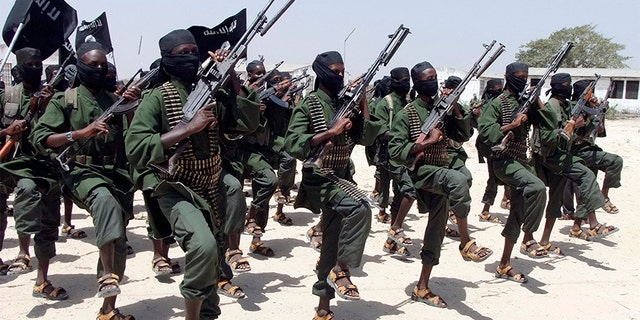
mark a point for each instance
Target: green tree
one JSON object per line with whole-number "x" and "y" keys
{"x": 591, "y": 49}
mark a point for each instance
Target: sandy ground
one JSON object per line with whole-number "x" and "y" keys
{"x": 594, "y": 280}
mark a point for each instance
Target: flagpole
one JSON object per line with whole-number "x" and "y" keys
{"x": 12, "y": 44}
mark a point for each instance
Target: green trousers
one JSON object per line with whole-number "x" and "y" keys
{"x": 402, "y": 186}
{"x": 528, "y": 197}
{"x": 3, "y": 217}
{"x": 37, "y": 212}
{"x": 589, "y": 196}
{"x": 109, "y": 223}
{"x": 444, "y": 190}
{"x": 345, "y": 227}
{"x": 286, "y": 172}
{"x": 491, "y": 190}
{"x": 610, "y": 163}
{"x": 194, "y": 234}
{"x": 235, "y": 208}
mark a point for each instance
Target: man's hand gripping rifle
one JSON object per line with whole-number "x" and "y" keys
{"x": 350, "y": 97}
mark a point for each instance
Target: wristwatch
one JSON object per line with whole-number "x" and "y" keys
{"x": 69, "y": 136}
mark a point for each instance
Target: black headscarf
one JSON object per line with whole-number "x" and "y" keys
{"x": 90, "y": 76}
{"x": 181, "y": 66}
{"x": 557, "y": 87}
{"x": 111, "y": 84}
{"x": 514, "y": 83}
{"x": 382, "y": 87}
{"x": 424, "y": 87}
{"x": 452, "y": 82}
{"x": 579, "y": 87}
{"x": 329, "y": 79}
{"x": 29, "y": 74}
{"x": 397, "y": 86}
{"x": 489, "y": 92}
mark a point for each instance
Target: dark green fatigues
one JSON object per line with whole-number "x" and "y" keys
{"x": 385, "y": 111}
{"x": 37, "y": 201}
{"x": 557, "y": 165}
{"x": 439, "y": 187}
{"x": 528, "y": 195}
{"x": 195, "y": 214}
{"x": 346, "y": 222}
{"x": 278, "y": 120}
{"x": 97, "y": 181}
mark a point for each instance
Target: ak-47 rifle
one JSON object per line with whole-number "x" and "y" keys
{"x": 529, "y": 98}
{"x": 121, "y": 106}
{"x": 37, "y": 104}
{"x": 272, "y": 90}
{"x": 260, "y": 81}
{"x": 350, "y": 97}
{"x": 444, "y": 104}
{"x": 598, "y": 120}
{"x": 580, "y": 107}
{"x": 213, "y": 75}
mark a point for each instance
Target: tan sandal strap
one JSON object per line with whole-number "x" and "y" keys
{"x": 468, "y": 246}
{"x": 40, "y": 288}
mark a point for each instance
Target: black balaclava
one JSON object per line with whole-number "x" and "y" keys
{"x": 397, "y": 86}
{"x": 579, "y": 87}
{"x": 30, "y": 75}
{"x": 452, "y": 82}
{"x": 424, "y": 87}
{"x": 489, "y": 92}
{"x": 110, "y": 84}
{"x": 181, "y": 66}
{"x": 90, "y": 76}
{"x": 382, "y": 87}
{"x": 329, "y": 79}
{"x": 514, "y": 83}
{"x": 557, "y": 87}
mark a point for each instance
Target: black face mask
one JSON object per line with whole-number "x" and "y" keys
{"x": 401, "y": 87}
{"x": 110, "y": 85}
{"x": 490, "y": 94}
{"x": 562, "y": 91}
{"x": 31, "y": 75}
{"x": 426, "y": 87}
{"x": 332, "y": 81}
{"x": 516, "y": 84}
{"x": 92, "y": 77}
{"x": 182, "y": 66}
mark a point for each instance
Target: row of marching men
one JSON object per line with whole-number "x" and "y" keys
{"x": 190, "y": 169}
{"x": 68, "y": 138}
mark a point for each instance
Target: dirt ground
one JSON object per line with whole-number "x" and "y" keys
{"x": 594, "y": 280}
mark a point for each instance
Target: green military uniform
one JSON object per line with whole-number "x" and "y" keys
{"x": 512, "y": 167}
{"x": 345, "y": 221}
{"x": 37, "y": 201}
{"x": 190, "y": 199}
{"x": 557, "y": 165}
{"x": 98, "y": 180}
{"x": 439, "y": 187}
{"x": 278, "y": 120}
{"x": 385, "y": 112}
{"x": 595, "y": 158}
{"x": 456, "y": 151}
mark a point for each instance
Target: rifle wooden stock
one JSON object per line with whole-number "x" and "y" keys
{"x": 579, "y": 108}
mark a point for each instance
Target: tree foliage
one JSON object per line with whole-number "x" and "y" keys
{"x": 591, "y": 49}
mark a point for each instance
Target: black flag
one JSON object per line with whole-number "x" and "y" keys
{"x": 48, "y": 23}
{"x": 95, "y": 31}
{"x": 210, "y": 39}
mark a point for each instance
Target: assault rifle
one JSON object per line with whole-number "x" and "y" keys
{"x": 36, "y": 104}
{"x": 444, "y": 104}
{"x": 579, "y": 108}
{"x": 350, "y": 97}
{"x": 272, "y": 90}
{"x": 213, "y": 75}
{"x": 529, "y": 98}
{"x": 260, "y": 81}
{"x": 121, "y": 106}
{"x": 598, "y": 121}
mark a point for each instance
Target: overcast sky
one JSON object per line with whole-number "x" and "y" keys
{"x": 445, "y": 33}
